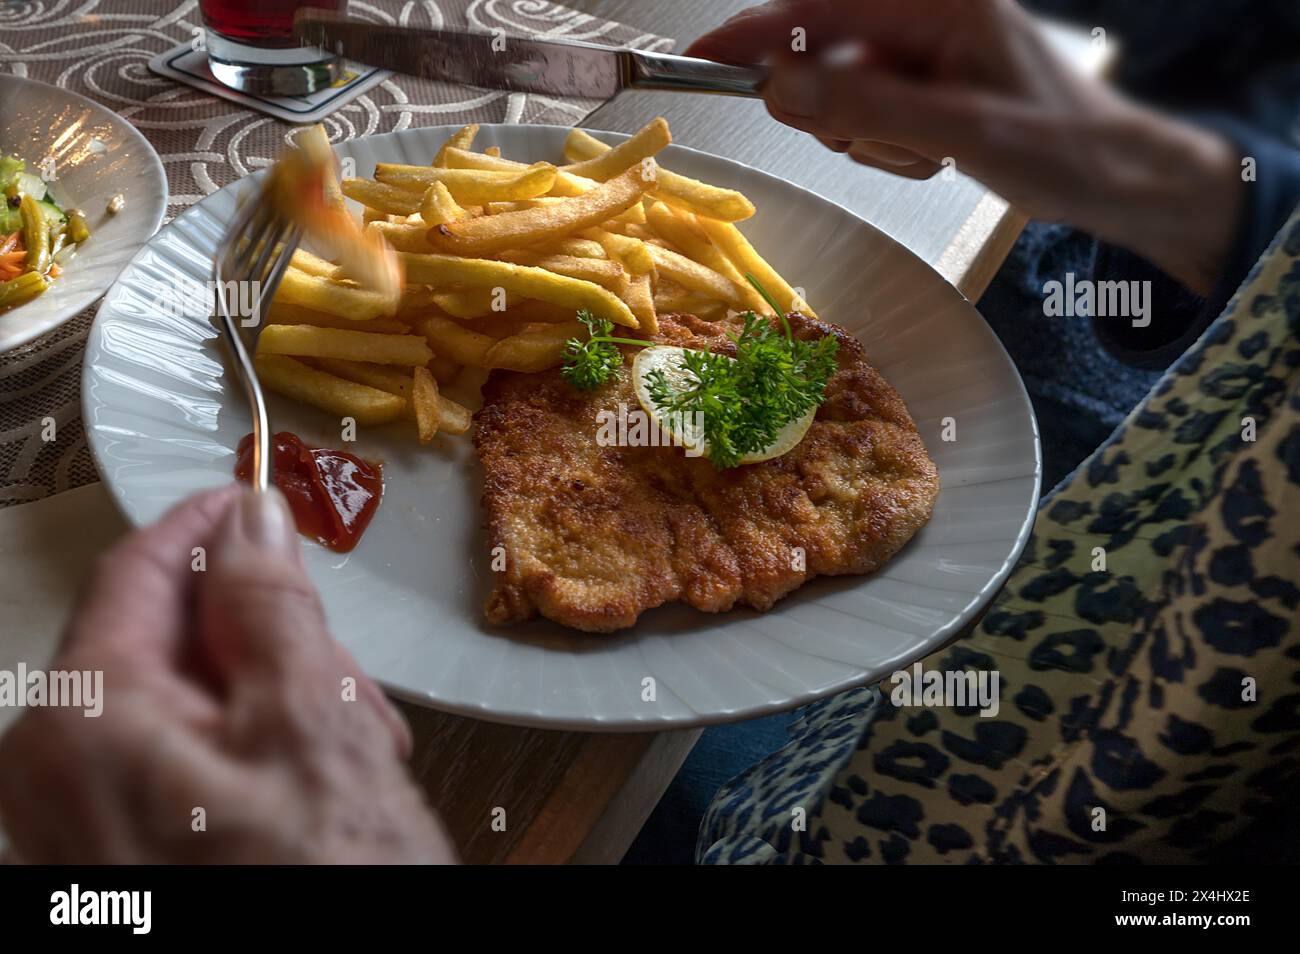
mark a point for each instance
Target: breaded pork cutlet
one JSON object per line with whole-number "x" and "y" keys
{"x": 594, "y": 535}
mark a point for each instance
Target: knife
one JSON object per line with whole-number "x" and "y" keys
{"x": 497, "y": 61}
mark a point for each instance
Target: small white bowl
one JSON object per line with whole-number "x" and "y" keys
{"x": 91, "y": 155}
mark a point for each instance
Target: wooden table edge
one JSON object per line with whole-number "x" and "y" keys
{"x": 604, "y": 798}
{"x": 970, "y": 261}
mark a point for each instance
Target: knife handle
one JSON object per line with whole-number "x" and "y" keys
{"x": 686, "y": 74}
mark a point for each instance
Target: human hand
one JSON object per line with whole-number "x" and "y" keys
{"x": 976, "y": 84}
{"x": 223, "y": 691}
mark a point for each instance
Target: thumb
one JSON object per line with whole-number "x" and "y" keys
{"x": 751, "y": 35}
{"x": 260, "y": 617}
{"x": 257, "y": 608}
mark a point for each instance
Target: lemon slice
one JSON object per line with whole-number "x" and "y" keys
{"x": 668, "y": 359}
{"x": 786, "y": 439}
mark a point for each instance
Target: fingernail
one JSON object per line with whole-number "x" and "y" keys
{"x": 798, "y": 91}
{"x": 884, "y": 153}
{"x": 265, "y": 521}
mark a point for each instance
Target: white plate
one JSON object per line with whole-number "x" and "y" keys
{"x": 408, "y": 601}
{"x": 96, "y": 155}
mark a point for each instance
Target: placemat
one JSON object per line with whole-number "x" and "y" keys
{"x": 101, "y": 49}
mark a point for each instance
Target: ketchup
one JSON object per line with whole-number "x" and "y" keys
{"x": 332, "y": 494}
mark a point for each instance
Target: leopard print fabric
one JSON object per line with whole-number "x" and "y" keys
{"x": 1150, "y": 703}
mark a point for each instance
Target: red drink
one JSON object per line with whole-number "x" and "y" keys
{"x": 264, "y": 23}
{"x": 251, "y": 47}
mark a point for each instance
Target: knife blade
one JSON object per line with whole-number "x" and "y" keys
{"x": 518, "y": 64}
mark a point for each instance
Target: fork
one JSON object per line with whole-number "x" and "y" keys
{"x": 256, "y": 248}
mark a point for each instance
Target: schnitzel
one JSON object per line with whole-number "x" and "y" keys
{"x": 593, "y": 536}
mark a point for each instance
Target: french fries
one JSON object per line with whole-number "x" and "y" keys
{"x": 630, "y": 251}
{"x": 393, "y": 380}
{"x": 494, "y": 233}
{"x": 496, "y": 257}
{"x": 640, "y": 301}
{"x": 727, "y": 205}
{"x": 681, "y": 229}
{"x": 467, "y": 186}
{"x": 305, "y": 261}
{"x": 282, "y": 313}
{"x": 470, "y": 303}
{"x": 424, "y": 399}
{"x": 748, "y": 262}
{"x": 522, "y": 280}
{"x": 579, "y": 247}
{"x": 314, "y": 140}
{"x": 648, "y": 141}
{"x": 580, "y": 145}
{"x": 405, "y": 237}
{"x": 533, "y": 350}
{"x": 462, "y": 138}
{"x": 293, "y": 379}
{"x": 332, "y": 297}
{"x": 632, "y": 216}
{"x": 452, "y": 418}
{"x": 455, "y": 341}
{"x": 313, "y": 341}
{"x": 672, "y": 297}
{"x": 566, "y": 183}
{"x": 303, "y": 187}
{"x": 389, "y": 199}
{"x": 693, "y": 275}
{"x": 599, "y": 271}
{"x": 439, "y": 206}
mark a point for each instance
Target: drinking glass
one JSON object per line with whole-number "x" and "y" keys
{"x": 251, "y": 47}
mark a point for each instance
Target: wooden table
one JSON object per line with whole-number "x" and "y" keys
{"x": 575, "y": 797}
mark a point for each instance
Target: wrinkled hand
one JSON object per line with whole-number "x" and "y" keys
{"x": 223, "y": 691}
{"x": 975, "y": 83}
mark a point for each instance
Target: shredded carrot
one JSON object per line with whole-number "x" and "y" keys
{"x": 55, "y": 271}
{"x": 11, "y": 262}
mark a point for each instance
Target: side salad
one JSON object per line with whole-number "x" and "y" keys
{"x": 36, "y": 236}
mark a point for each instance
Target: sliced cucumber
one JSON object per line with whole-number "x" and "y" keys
{"x": 18, "y": 181}
{"x": 34, "y": 186}
{"x": 53, "y": 214}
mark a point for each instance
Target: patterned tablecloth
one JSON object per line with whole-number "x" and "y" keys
{"x": 101, "y": 49}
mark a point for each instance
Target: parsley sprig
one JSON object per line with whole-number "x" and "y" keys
{"x": 742, "y": 402}
{"x": 589, "y": 364}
